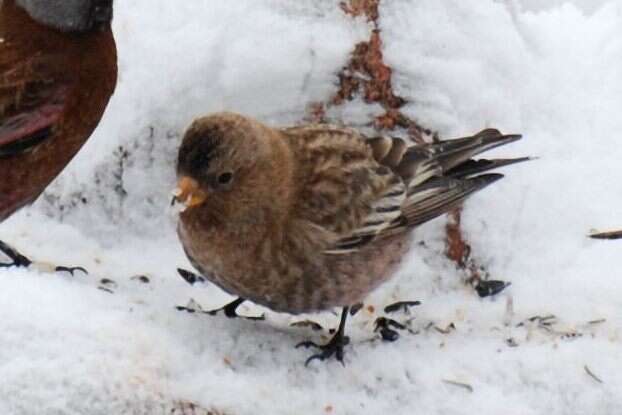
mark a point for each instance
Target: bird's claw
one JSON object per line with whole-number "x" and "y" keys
{"x": 71, "y": 270}
{"x": 18, "y": 259}
{"x": 385, "y": 326}
{"x": 333, "y": 347}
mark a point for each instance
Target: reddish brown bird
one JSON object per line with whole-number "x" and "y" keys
{"x": 309, "y": 218}
{"x": 58, "y": 69}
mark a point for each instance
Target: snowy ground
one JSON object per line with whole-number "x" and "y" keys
{"x": 551, "y": 73}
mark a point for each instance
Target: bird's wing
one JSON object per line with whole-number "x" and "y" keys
{"x": 424, "y": 181}
{"x": 31, "y": 100}
{"x": 345, "y": 190}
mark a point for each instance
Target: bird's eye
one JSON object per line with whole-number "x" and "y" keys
{"x": 225, "y": 178}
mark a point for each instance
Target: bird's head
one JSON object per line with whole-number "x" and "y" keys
{"x": 217, "y": 160}
{"x": 70, "y": 15}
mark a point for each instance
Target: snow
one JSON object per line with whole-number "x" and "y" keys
{"x": 549, "y": 72}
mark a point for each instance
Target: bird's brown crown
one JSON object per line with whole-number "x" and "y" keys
{"x": 69, "y": 15}
{"x": 218, "y": 150}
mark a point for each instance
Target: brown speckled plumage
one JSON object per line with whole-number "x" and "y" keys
{"x": 54, "y": 87}
{"x": 313, "y": 217}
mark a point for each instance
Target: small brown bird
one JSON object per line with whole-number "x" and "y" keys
{"x": 313, "y": 217}
{"x": 58, "y": 69}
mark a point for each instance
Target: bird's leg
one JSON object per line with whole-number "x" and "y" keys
{"x": 230, "y": 310}
{"x": 334, "y": 346}
{"x": 20, "y": 260}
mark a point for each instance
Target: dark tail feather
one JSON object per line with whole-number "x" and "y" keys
{"x": 439, "y": 196}
{"x": 471, "y": 167}
{"x": 452, "y": 153}
{"x": 438, "y": 159}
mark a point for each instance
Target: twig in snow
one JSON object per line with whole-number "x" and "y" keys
{"x": 191, "y": 408}
{"x": 451, "y": 327}
{"x": 459, "y": 384}
{"x": 592, "y": 375}
{"x": 543, "y": 321}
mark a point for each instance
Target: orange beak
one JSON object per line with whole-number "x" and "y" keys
{"x": 189, "y": 193}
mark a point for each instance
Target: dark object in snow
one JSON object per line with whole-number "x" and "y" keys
{"x": 389, "y": 335}
{"x": 108, "y": 282}
{"x": 487, "y": 288}
{"x": 592, "y": 375}
{"x": 465, "y": 386}
{"x": 190, "y": 277}
{"x": 388, "y": 322}
{"x": 186, "y": 309}
{"x": 58, "y": 69}
{"x": 385, "y": 326}
{"x": 401, "y": 305}
{"x": 230, "y": 310}
{"x": 18, "y": 259}
{"x": 541, "y": 321}
{"x": 327, "y": 212}
{"x": 450, "y": 327}
{"x": 356, "y": 308}
{"x": 307, "y": 323}
{"x": 334, "y": 346}
{"x": 191, "y": 408}
{"x": 141, "y": 278}
{"x": 607, "y": 235}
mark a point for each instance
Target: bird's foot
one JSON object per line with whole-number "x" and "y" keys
{"x": 230, "y": 310}
{"x": 386, "y": 327}
{"x": 333, "y": 347}
{"x": 20, "y": 260}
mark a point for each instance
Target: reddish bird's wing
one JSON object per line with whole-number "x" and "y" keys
{"x": 31, "y": 101}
